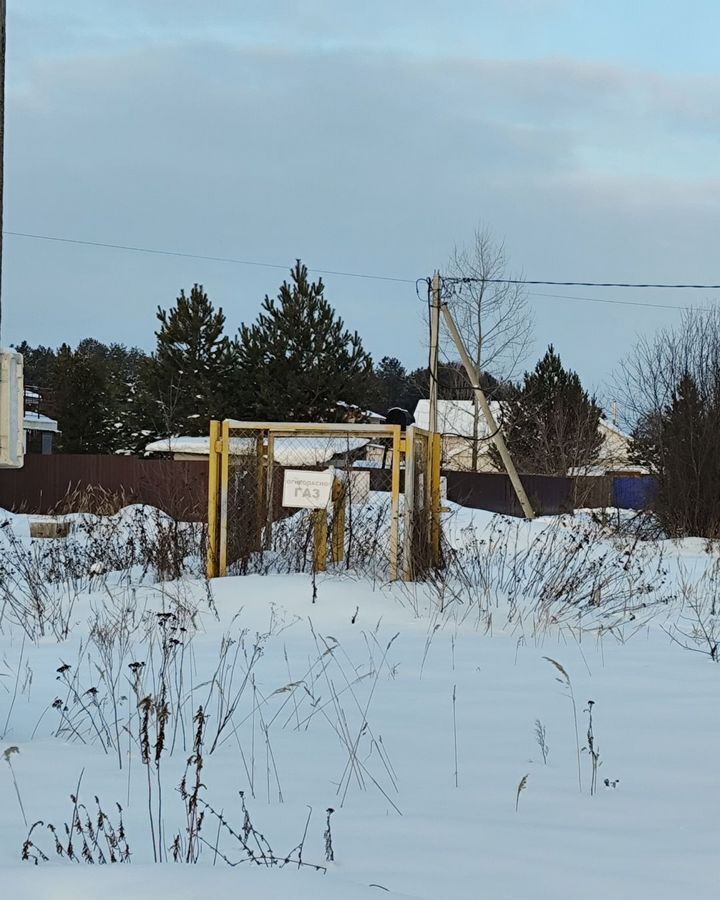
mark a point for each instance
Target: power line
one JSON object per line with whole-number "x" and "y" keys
{"x": 224, "y": 259}
{"x": 391, "y": 278}
{"x": 574, "y": 298}
{"x": 611, "y": 284}
{"x": 615, "y": 302}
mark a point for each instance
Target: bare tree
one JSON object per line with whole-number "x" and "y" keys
{"x": 670, "y": 387}
{"x": 493, "y": 317}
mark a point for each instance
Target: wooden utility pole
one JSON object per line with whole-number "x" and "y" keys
{"x": 435, "y": 300}
{"x": 3, "y": 19}
{"x": 495, "y": 432}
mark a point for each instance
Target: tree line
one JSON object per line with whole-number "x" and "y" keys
{"x": 296, "y": 362}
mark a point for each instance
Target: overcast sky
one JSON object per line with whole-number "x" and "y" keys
{"x": 366, "y": 137}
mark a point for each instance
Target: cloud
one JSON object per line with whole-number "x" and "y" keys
{"x": 370, "y": 161}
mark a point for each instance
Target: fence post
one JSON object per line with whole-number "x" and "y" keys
{"x": 409, "y": 504}
{"x": 436, "y": 500}
{"x": 320, "y": 534}
{"x": 213, "y": 491}
{"x": 224, "y": 481}
{"x": 270, "y": 483}
{"x": 395, "y": 505}
{"x": 260, "y": 513}
{"x": 338, "y": 527}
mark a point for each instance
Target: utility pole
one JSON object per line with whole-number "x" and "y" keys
{"x": 3, "y": 19}
{"x": 496, "y": 434}
{"x": 435, "y": 299}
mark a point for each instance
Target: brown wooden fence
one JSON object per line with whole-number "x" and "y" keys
{"x": 494, "y": 492}
{"x": 49, "y": 484}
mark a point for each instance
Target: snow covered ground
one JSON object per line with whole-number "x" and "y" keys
{"x": 409, "y": 712}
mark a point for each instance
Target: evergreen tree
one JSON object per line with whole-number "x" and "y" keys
{"x": 38, "y": 363}
{"x": 81, "y": 401}
{"x": 89, "y": 390}
{"x": 680, "y": 446}
{"x": 550, "y": 422}
{"x": 391, "y": 385}
{"x": 297, "y": 360}
{"x": 126, "y": 369}
{"x": 190, "y": 375}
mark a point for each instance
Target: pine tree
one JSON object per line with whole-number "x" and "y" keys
{"x": 127, "y": 373}
{"x": 89, "y": 390}
{"x": 190, "y": 375}
{"x": 297, "y": 360}
{"x": 80, "y": 385}
{"x": 680, "y": 446}
{"x": 551, "y": 422}
{"x": 391, "y": 385}
{"x": 38, "y": 363}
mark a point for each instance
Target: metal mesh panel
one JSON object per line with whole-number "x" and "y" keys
{"x": 417, "y": 554}
{"x": 247, "y": 498}
{"x": 355, "y": 530}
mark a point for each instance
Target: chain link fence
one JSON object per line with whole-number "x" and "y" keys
{"x": 303, "y": 498}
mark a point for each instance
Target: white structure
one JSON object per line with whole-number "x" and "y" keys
{"x": 456, "y": 421}
{"x": 12, "y": 444}
{"x": 39, "y": 429}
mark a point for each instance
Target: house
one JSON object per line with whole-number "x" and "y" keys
{"x": 456, "y": 422}
{"x": 40, "y": 430}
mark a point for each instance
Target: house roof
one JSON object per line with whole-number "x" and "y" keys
{"x": 455, "y": 417}
{"x": 33, "y": 421}
{"x": 612, "y": 428}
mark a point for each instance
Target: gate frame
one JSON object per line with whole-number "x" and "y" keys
{"x": 219, "y": 471}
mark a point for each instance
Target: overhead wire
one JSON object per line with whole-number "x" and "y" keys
{"x": 447, "y": 280}
{"x": 611, "y": 284}
{"x": 649, "y": 305}
{"x": 223, "y": 259}
{"x": 458, "y": 282}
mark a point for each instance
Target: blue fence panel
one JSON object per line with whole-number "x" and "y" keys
{"x": 634, "y": 492}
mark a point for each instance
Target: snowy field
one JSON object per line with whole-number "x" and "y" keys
{"x": 412, "y": 713}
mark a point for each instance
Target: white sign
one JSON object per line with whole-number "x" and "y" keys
{"x": 306, "y": 490}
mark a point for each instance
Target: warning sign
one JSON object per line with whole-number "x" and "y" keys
{"x": 306, "y": 490}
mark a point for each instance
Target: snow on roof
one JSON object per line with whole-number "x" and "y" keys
{"x": 607, "y": 425}
{"x": 455, "y": 417}
{"x": 367, "y": 413}
{"x": 609, "y": 468}
{"x": 288, "y": 451}
{"x": 33, "y": 421}
{"x": 199, "y": 445}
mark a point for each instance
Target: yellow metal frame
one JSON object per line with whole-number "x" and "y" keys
{"x": 395, "y": 504}
{"x": 224, "y": 481}
{"x": 213, "y": 548}
{"x": 409, "y": 510}
{"x": 435, "y": 498}
{"x": 219, "y": 472}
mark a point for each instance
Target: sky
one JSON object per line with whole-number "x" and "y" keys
{"x": 367, "y": 138}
